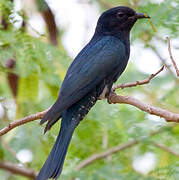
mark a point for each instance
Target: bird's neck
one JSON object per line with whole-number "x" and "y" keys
{"x": 123, "y": 36}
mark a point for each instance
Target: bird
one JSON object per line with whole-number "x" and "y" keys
{"x": 89, "y": 78}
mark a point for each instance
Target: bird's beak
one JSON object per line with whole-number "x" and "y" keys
{"x": 141, "y": 15}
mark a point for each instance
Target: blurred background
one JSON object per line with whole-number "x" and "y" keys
{"x": 38, "y": 41}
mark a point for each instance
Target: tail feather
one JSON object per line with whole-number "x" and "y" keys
{"x": 52, "y": 116}
{"x": 70, "y": 119}
{"x": 50, "y": 123}
{"x": 53, "y": 165}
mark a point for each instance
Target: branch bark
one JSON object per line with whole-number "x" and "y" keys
{"x": 10, "y": 63}
{"x": 49, "y": 19}
{"x": 105, "y": 154}
{"x": 22, "y": 121}
{"x": 12, "y": 78}
{"x": 115, "y": 149}
{"x": 163, "y": 61}
{"x": 146, "y": 81}
{"x": 167, "y": 115}
{"x": 15, "y": 169}
{"x": 113, "y": 99}
{"x": 171, "y": 57}
{"x": 165, "y": 148}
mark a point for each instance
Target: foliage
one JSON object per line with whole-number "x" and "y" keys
{"x": 41, "y": 68}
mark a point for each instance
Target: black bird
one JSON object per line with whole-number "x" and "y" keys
{"x": 89, "y": 78}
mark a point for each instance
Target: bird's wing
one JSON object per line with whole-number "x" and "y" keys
{"x": 98, "y": 60}
{"x": 94, "y": 63}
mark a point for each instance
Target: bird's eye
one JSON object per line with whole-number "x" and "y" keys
{"x": 120, "y": 15}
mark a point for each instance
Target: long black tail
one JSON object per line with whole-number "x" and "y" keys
{"x": 53, "y": 165}
{"x": 70, "y": 119}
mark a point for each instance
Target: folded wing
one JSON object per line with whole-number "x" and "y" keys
{"x": 92, "y": 65}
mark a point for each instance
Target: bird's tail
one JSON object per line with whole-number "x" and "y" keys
{"x": 52, "y": 116}
{"x": 53, "y": 165}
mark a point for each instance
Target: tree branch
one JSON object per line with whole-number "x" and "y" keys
{"x": 115, "y": 149}
{"x": 113, "y": 99}
{"x": 162, "y": 60}
{"x": 105, "y": 154}
{"x": 146, "y": 81}
{"x": 8, "y": 148}
{"x": 171, "y": 57}
{"x": 165, "y": 148}
{"x": 12, "y": 77}
{"x": 15, "y": 169}
{"x": 22, "y": 121}
{"x": 10, "y": 63}
{"x": 49, "y": 19}
{"x": 167, "y": 115}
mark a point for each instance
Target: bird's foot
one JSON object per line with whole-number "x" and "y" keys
{"x": 109, "y": 97}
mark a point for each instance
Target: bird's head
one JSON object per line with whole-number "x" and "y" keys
{"x": 117, "y": 19}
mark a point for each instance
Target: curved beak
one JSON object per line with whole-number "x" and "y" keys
{"x": 141, "y": 15}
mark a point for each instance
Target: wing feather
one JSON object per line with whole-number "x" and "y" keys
{"x": 90, "y": 67}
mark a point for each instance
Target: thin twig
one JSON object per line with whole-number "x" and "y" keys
{"x": 8, "y": 148}
{"x": 105, "y": 154}
{"x": 115, "y": 149}
{"x": 22, "y": 121}
{"x": 162, "y": 60}
{"x": 167, "y": 115}
{"x": 165, "y": 148}
{"x": 171, "y": 57}
{"x": 15, "y": 169}
{"x": 146, "y": 81}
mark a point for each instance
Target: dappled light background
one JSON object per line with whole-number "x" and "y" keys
{"x": 41, "y": 54}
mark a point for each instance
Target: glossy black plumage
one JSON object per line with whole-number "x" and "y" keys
{"x": 94, "y": 69}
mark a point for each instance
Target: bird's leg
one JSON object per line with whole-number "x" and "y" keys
{"x": 103, "y": 94}
{"x": 109, "y": 87}
{"x": 108, "y": 98}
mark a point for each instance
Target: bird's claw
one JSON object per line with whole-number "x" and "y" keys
{"x": 109, "y": 96}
